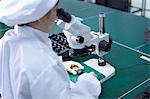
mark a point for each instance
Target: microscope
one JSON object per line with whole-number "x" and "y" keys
{"x": 83, "y": 42}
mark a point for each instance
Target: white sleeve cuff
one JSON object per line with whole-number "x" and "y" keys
{"x": 91, "y": 83}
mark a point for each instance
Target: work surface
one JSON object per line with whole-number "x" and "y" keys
{"x": 127, "y": 31}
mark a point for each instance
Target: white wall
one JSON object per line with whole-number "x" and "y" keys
{"x": 138, "y": 3}
{"x": 148, "y": 4}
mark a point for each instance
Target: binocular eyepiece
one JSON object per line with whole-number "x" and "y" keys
{"x": 63, "y": 15}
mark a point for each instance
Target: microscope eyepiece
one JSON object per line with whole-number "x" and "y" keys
{"x": 63, "y": 15}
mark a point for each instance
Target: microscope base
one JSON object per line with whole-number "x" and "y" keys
{"x": 108, "y": 70}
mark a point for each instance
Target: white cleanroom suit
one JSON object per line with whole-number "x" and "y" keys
{"x": 30, "y": 69}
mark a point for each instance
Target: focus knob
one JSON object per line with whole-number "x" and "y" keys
{"x": 104, "y": 46}
{"x": 80, "y": 39}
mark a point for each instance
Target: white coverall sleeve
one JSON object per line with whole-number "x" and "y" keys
{"x": 87, "y": 87}
{"x": 23, "y": 89}
{"x": 50, "y": 87}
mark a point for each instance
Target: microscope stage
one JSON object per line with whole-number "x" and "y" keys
{"x": 108, "y": 71}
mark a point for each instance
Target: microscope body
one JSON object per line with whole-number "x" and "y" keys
{"x": 90, "y": 39}
{"x": 81, "y": 38}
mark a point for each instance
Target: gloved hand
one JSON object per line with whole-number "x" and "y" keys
{"x": 73, "y": 67}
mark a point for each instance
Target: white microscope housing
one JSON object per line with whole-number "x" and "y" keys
{"x": 80, "y": 36}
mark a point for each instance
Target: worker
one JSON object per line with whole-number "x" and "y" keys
{"x": 29, "y": 68}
